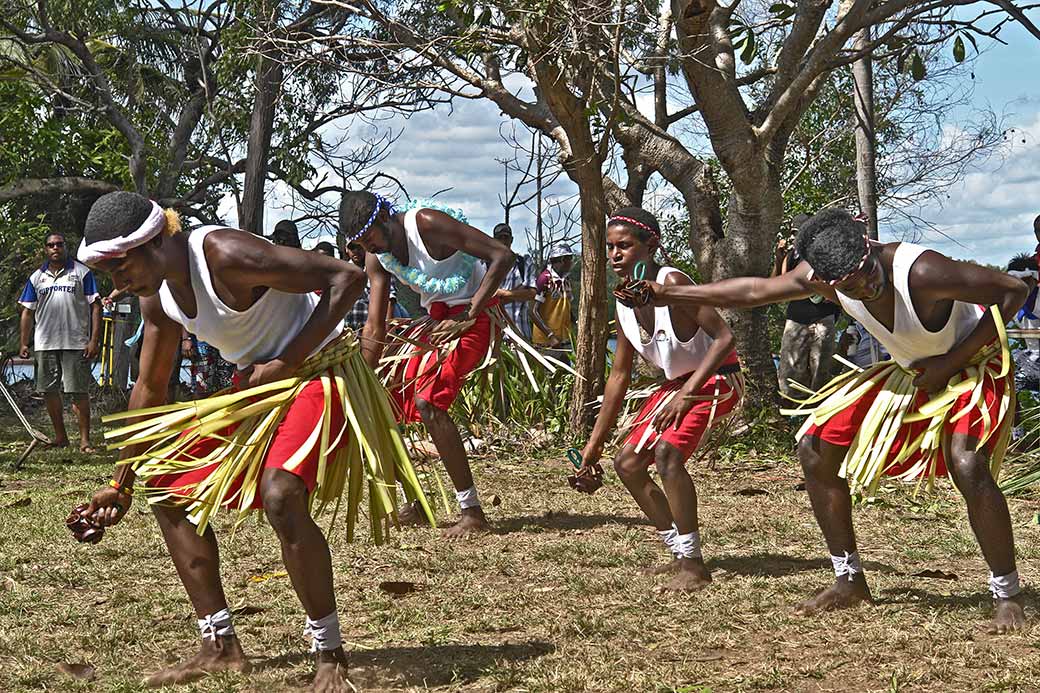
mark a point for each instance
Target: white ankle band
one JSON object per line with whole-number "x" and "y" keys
{"x": 847, "y": 565}
{"x": 668, "y": 537}
{"x": 218, "y": 624}
{"x": 1004, "y": 586}
{"x": 324, "y": 633}
{"x": 688, "y": 545}
{"x": 468, "y": 498}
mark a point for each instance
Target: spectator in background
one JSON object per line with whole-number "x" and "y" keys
{"x": 286, "y": 233}
{"x": 1036, "y": 233}
{"x": 517, "y": 289}
{"x": 358, "y": 315}
{"x": 1027, "y": 359}
{"x": 808, "y": 344}
{"x": 325, "y": 248}
{"x": 860, "y": 347}
{"x": 62, "y": 314}
{"x": 553, "y": 320}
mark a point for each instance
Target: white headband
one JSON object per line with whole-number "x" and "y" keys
{"x": 117, "y": 247}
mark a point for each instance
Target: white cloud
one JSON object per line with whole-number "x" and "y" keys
{"x": 989, "y": 215}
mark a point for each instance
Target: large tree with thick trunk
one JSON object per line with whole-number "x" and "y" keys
{"x": 698, "y": 59}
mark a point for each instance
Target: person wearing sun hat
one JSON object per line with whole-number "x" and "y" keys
{"x": 553, "y": 314}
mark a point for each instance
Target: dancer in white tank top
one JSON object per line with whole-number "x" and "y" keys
{"x": 438, "y": 255}
{"x": 703, "y": 385}
{"x": 946, "y": 402}
{"x": 291, "y": 446}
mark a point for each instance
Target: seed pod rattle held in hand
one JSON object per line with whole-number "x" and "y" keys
{"x": 83, "y": 527}
{"x": 634, "y": 292}
{"x": 585, "y": 479}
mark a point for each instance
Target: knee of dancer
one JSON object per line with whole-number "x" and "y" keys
{"x": 811, "y": 459}
{"x": 970, "y": 471}
{"x": 426, "y": 408}
{"x": 284, "y": 499}
{"x": 628, "y": 465}
{"x": 670, "y": 462}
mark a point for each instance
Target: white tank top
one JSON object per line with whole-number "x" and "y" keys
{"x": 257, "y": 334}
{"x": 422, "y": 273}
{"x": 665, "y": 350}
{"x": 909, "y": 340}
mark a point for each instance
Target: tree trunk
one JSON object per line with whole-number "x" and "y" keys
{"x": 261, "y": 126}
{"x": 746, "y": 250}
{"x": 591, "y": 349}
{"x": 866, "y": 144}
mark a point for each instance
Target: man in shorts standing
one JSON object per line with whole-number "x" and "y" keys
{"x": 61, "y": 300}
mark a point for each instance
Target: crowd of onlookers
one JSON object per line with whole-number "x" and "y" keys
{"x": 62, "y": 321}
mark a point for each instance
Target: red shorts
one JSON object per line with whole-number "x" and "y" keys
{"x": 691, "y": 430}
{"x": 841, "y": 428}
{"x": 441, "y": 380}
{"x": 299, "y": 422}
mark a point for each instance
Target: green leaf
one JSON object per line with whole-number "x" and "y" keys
{"x": 748, "y": 54}
{"x": 917, "y": 70}
{"x": 781, "y": 10}
{"x": 958, "y": 49}
{"x": 972, "y": 39}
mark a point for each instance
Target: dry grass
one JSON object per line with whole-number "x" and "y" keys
{"x": 552, "y": 602}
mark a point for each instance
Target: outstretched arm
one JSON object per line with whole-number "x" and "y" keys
{"x": 159, "y": 345}
{"x": 613, "y": 398}
{"x": 743, "y": 292}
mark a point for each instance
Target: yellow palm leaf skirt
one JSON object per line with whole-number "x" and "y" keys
{"x": 899, "y": 413}
{"x": 240, "y": 426}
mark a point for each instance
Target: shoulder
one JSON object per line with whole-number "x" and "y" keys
{"x": 543, "y": 279}
{"x": 233, "y": 247}
{"x": 427, "y": 218}
{"x": 677, "y": 278}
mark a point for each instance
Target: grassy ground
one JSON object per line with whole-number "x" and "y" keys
{"x": 551, "y": 602}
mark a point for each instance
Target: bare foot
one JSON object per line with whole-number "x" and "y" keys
{"x": 223, "y": 654}
{"x": 691, "y": 575}
{"x": 1009, "y": 616}
{"x": 410, "y": 514}
{"x": 59, "y": 443}
{"x": 843, "y": 594}
{"x": 471, "y": 523}
{"x": 330, "y": 674}
{"x": 87, "y": 448}
{"x": 668, "y": 568}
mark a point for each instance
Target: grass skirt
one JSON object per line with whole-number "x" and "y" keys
{"x": 245, "y": 421}
{"x": 901, "y": 419}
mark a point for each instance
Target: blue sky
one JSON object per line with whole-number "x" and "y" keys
{"x": 987, "y": 216}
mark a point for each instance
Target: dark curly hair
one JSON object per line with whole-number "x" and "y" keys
{"x": 114, "y": 215}
{"x": 354, "y": 210}
{"x": 832, "y": 242}
{"x": 1023, "y": 262}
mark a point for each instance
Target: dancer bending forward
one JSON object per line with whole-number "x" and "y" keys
{"x": 946, "y": 401}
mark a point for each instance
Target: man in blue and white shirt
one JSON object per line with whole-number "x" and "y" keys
{"x": 61, "y": 298}
{"x": 517, "y": 289}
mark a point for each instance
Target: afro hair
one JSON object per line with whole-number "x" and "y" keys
{"x": 354, "y": 210}
{"x": 832, "y": 242}
{"x": 1023, "y": 262}
{"x": 114, "y": 215}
